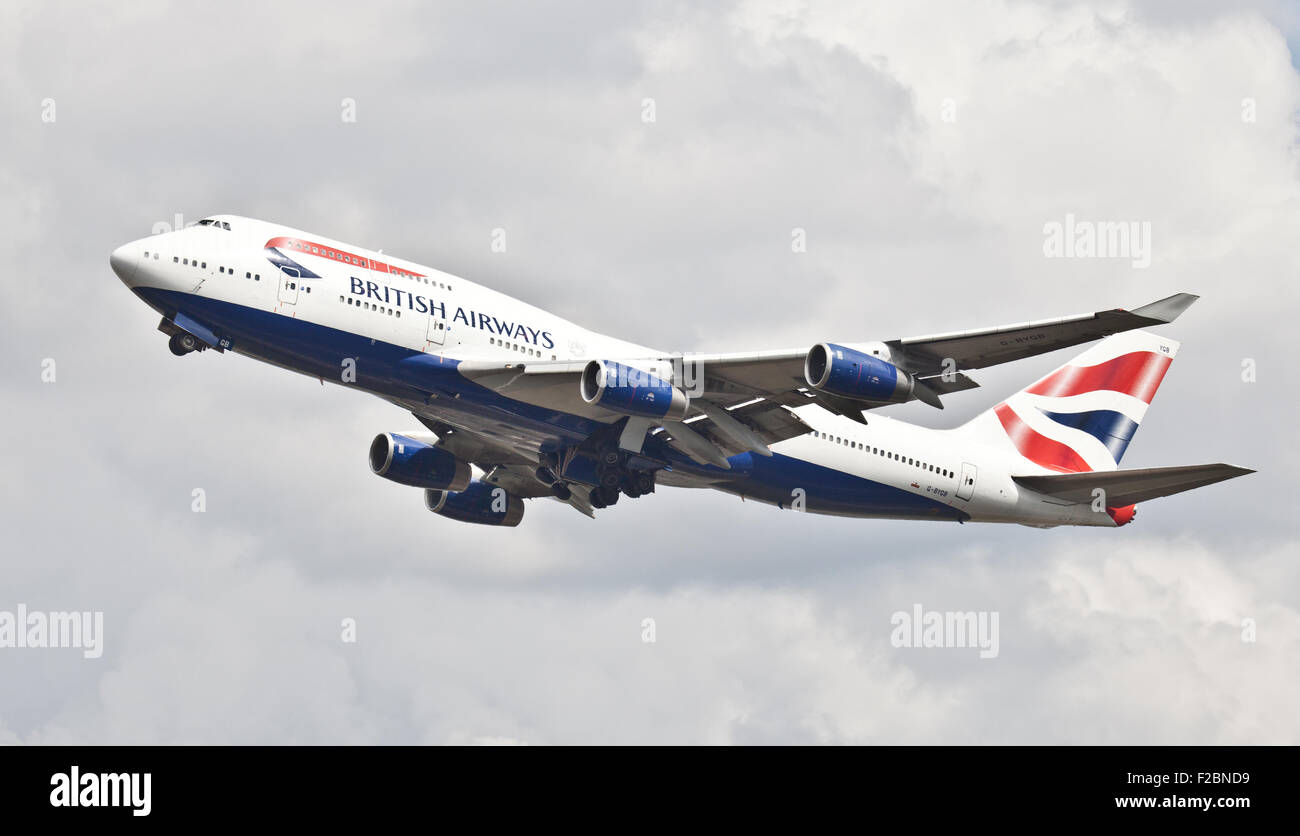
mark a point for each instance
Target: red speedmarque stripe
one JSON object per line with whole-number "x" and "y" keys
{"x": 1037, "y": 447}
{"x": 1137, "y": 374}
{"x": 306, "y": 247}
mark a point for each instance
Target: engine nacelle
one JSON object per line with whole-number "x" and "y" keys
{"x": 628, "y": 390}
{"x": 409, "y": 461}
{"x": 853, "y": 374}
{"x": 480, "y": 503}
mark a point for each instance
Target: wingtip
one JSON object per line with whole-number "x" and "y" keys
{"x": 1167, "y": 309}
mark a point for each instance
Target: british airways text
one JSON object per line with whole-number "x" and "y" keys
{"x": 474, "y": 319}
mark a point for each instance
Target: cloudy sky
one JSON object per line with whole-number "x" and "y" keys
{"x": 921, "y": 146}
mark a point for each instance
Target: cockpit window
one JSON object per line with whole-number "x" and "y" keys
{"x": 217, "y": 224}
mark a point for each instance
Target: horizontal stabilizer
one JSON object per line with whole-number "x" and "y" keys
{"x": 1127, "y": 487}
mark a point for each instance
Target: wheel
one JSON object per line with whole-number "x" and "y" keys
{"x": 182, "y": 344}
{"x": 609, "y": 495}
{"x": 645, "y": 482}
{"x": 610, "y": 479}
{"x": 609, "y": 457}
{"x": 596, "y": 501}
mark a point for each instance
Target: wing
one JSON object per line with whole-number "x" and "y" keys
{"x": 992, "y": 346}
{"x": 779, "y": 375}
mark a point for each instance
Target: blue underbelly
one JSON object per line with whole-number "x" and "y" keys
{"x": 780, "y": 479}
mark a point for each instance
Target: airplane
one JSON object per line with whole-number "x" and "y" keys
{"x": 515, "y": 403}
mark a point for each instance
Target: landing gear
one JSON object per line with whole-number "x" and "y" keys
{"x": 617, "y": 473}
{"x": 639, "y": 483}
{"x": 603, "y": 497}
{"x": 183, "y": 343}
{"x": 613, "y": 483}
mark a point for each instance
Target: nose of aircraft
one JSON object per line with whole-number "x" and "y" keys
{"x": 125, "y": 260}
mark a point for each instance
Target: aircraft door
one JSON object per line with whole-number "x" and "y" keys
{"x": 289, "y": 280}
{"x": 966, "y": 489}
{"x": 437, "y": 329}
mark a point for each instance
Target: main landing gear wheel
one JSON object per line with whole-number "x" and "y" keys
{"x": 183, "y": 343}
{"x": 603, "y": 497}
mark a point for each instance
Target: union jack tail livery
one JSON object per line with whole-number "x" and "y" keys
{"x": 1081, "y": 417}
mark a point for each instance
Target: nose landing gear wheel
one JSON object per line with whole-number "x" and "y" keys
{"x": 182, "y": 344}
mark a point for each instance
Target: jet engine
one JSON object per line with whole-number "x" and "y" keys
{"x": 631, "y": 391}
{"x": 856, "y": 375}
{"x": 479, "y": 503}
{"x": 409, "y": 461}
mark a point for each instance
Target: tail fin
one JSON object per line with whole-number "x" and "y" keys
{"x": 1082, "y": 416}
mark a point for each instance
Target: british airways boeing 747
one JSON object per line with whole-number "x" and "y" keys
{"x": 513, "y": 402}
